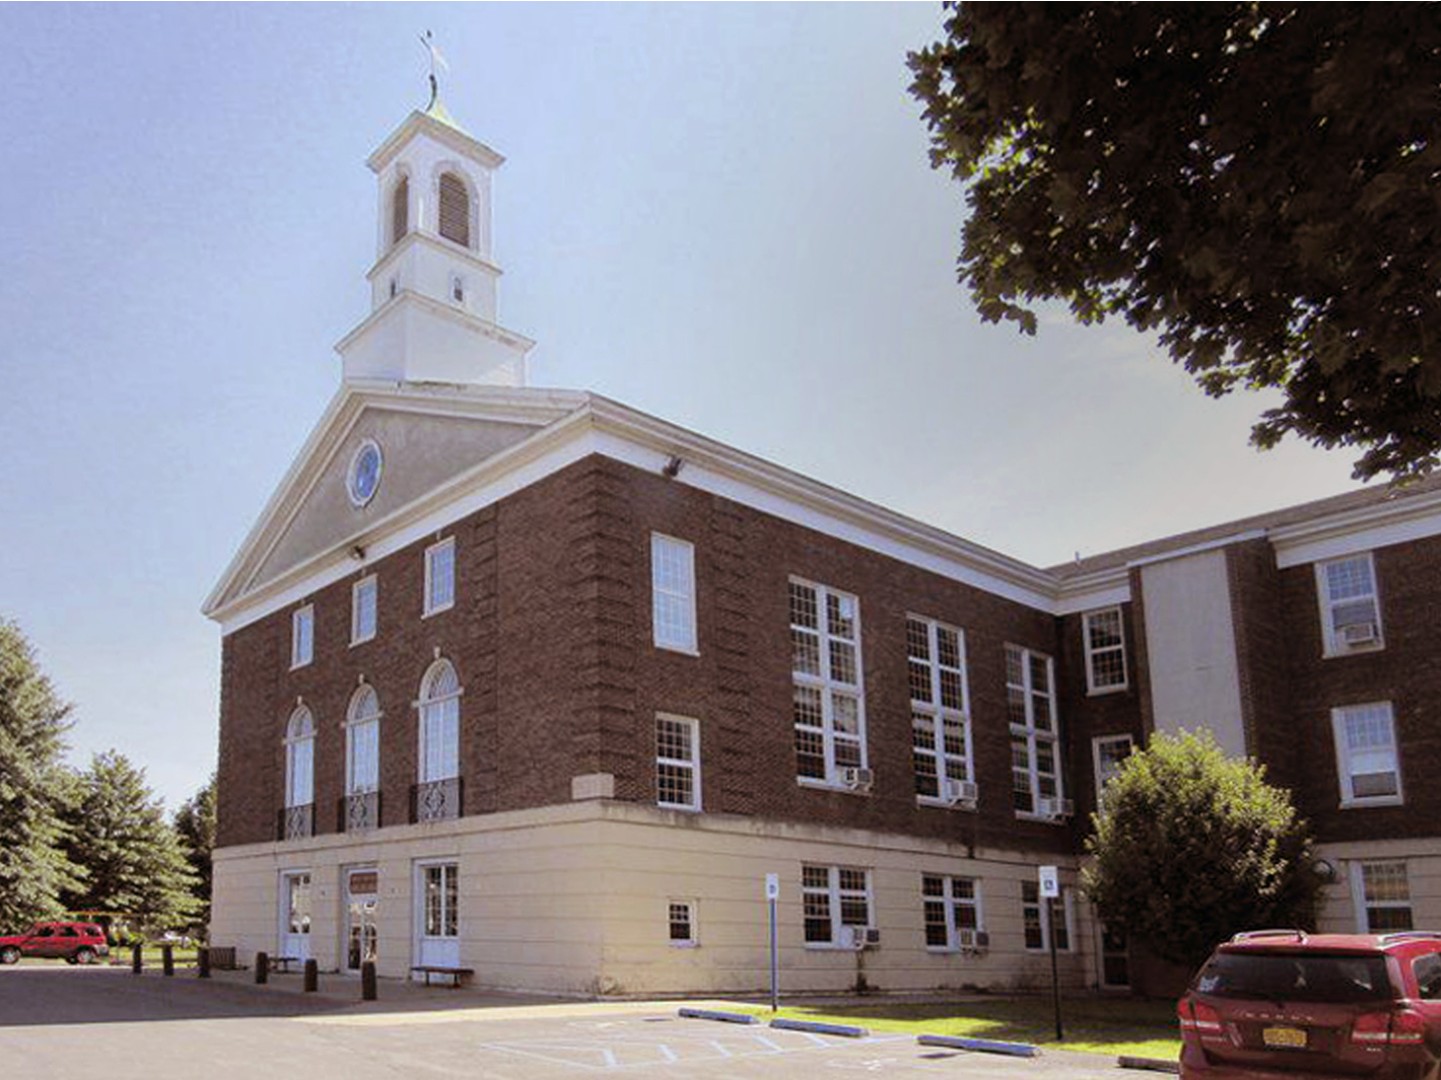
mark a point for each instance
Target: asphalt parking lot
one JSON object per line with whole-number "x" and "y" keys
{"x": 75, "y": 1024}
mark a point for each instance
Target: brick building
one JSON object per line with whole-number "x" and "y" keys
{"x": 529, "y": 682}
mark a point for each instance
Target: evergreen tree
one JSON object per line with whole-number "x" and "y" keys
{"x": 195, "y": 824}
{"x": 1191, "y": 846}
{"x": 33, "y": 788}
{"x": 133, "y": 858}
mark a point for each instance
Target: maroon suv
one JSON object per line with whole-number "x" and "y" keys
{"x": 1276, "y": 1003}
{"x": 73, "y": 942}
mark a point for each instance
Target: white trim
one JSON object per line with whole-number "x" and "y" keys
{"x": 1110, "y": 589}
{"x": 833, "y": 901}
{"x": 432, "y": 553}
{"x": 419, "y": 867}
{"x": 1345, "y": 774}
{"x": 1034, "y": 734}
{"x": 302, "y": 637}
{"x": 1096, "y": 741}
{"x": 1198, "y": 548}
{"x": 423, "y": 702}
{"x": 692, "y": 763}
{"x": 1043, "y": 906}
{"x": 1378, "y": 525}
{"x": 352, "y": 723}
{"x": 825, "y": 683}
{"x": 691, "y": 905}
{"x": 1331, "y": 645}
{"x": 936, "y": 711}
{"x": 358, "y": 500}
{"x": 373, "y": 581}
{"x": 685, "y": 551}
{"x": 951, "y": 905}
{"x": 1092, "y": 690}
{"x": 1358, "y": 892}
{"x": 296, "y": 742}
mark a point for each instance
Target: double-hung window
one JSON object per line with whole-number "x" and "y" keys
{"x": 440, "y": 576}
{"x": 837, "y": 904}
{"x": 952, "y": 911}
{"x": 940, "y": 711}
{"x": 1040, "y": 919}
{"x": 1366, "y": 757}
{"x": 828, "y": 703}
{"x": 1350, "y": 605}
{"x": 672, "y": 580}
{"x": 1108, "y": 752}
{"x": 1105, "y": 651}
{"x": 363, "y": 596}
{"x": 681, "y": 923}
{"x": 677, "y": 762}
{"x": 1383, "y": 896}
{"x": 1035, "y": 753}
{"x": 302, "y": 636}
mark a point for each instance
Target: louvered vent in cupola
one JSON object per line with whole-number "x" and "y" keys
{"x": 454, "y": 209}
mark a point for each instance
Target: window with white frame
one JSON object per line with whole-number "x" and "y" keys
{"x": 1366, "y": 756}
{"x": 1108, "y": 752}
{"x": 672, "y": 580}
{"x": 1031, "y": 705}
{"x": 828, "y": 703}
{"x": 1105, "y": 651}
{"x": 677, "y": 762}
{"x": 300, "y": 758}
{"x": 940, "y": 707}
{"x": 439, "y": 723}
{"x": 302, "y": 636}
{"x": 834, "y": 898}
{"x": 362, "y": 742}
{"x": 440, "y": 576}
{"x": 441, "y": 882}
{"x": 1350, "y": 604}
{"x": 1383, "y": 896}
{"x": 1039, "y": 920}
{"x": 681, "y": 923}
{"x": 364, "y": 595}
{"x": 952, "y": 908}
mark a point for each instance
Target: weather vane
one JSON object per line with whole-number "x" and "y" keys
{"x": 437, "y": 60}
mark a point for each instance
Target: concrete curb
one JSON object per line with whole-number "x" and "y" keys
{"x": 1152, "y": 1064}
{"x": 984, "y": 1046}
{"x": 716, "y": 1014}
{"x": 817, "y": 1028}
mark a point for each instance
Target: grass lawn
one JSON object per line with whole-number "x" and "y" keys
{"x": 1094, "y": 1025}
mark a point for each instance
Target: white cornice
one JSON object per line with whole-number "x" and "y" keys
{"x": 449, "y": 250}
{"x": 431, "y": 306}
{"x": 1376, "y": 525}
{"x": 444, "y": 134}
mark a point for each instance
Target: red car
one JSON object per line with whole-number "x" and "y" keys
{"x": 74, "y": 942}
{"x": 1283, "y": 1003}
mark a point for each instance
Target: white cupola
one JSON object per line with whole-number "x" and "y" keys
{"x": 433, "y": 287}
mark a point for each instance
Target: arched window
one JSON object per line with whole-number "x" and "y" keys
{"x": 439, "y": 723}
{"x": 454, "y": 209}
{"x": 400, "y": 210}
{"x": 300, "y": 758}
{"x": 362, "y": 742}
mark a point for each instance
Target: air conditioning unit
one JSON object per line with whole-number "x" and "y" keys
{"x": 873, "y": 936}
{"x": 960, "y": 792}
{"x": 972, "y": 940}
{"x": 857, "y": 779}
{"x": 1364, "y": 633}
{"x": 856, "y": 937}
{"x": 1055, "y": 809}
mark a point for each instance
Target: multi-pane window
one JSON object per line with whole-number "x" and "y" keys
{"x": 1366, "y": 757}
{"x": 362, "y": 742}
{"x": 1105, "y": 651}
{"x": 1385, "y": 897}
{"x": 440, "y": 576}
{"x": 1031, "y": 705}
{"x": 1039, "y": 919}
{"x": 833, "y": 898}
{"x": 442, "y": 900}
{"x": 302, "y": 636}
{"x": 300, "y": 758}
{"x": 681, "y": 922}
{"x": 952, "y": 911}
{"x": 1350, "y": 606}
{"x": 439, "y": 723}
{"x": 940, "y": 713}
{"x": 677, "y": 762}
{"x": 1108, "y": 752}
{"x": 672, "y": 580}
{"x": 363, "y": 596}
{"x": 828, "y": 701}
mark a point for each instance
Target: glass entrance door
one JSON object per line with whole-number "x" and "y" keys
{"x": 362, "y": 907}
{"x": 295, "y": 915}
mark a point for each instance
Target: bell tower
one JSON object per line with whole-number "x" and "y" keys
{"x": 433, "y": 287}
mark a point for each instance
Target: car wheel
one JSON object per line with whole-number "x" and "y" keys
{"x": 9, "y": 955}
{"x": 84, "y": 955}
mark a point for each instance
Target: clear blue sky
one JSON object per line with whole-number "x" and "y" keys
{"x": 723, "y": 215}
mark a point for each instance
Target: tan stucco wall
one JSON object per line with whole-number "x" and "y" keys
{"x": 1341, "y": 897}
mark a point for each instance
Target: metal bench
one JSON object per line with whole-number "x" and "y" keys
{"x": 454, "y": 974}
{"x": 282, "y": 963}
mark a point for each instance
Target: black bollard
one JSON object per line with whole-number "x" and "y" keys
{"x": 137, "y": 961}
{"x": 167, "y": 959}
{"x": 367, "y": 981}
{"x": 312, "y": 976}
{"x": 202, "y": 962}
{"x": 262, "y": 968}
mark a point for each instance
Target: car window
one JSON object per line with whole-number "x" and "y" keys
{"x": 68, "y": 931}
{"x": 1340, "y": 978}
{"x": 1428, "y": 976}
{"x": 43, "y": 931}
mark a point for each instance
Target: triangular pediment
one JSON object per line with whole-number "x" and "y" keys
{"x": 427, "y": 434}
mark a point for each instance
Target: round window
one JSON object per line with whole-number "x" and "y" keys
{"x": 364, "y": 478}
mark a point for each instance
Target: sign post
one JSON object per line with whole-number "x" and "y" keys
{"x": 773, "y": 894}
{"x": 1050, "y": 888}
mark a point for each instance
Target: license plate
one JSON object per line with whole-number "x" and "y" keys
{"x": 1286, "y": 1037}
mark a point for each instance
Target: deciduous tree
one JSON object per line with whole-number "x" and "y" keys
{"x": 1258, "y": 183}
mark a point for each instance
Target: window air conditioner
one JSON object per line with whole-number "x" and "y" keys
{"x": 960, "y": 791}
{"x": 1055, "y": 809}
{"x": 857, "y": 779}
{"x": 972, "y": 940}
{"x": 873, "y": 936}
{"x": 1359, "y": 633}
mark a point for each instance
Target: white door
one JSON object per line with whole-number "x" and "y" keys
{"x": 437, "y": 898}
{"x": 362, "y": 911}
{"x": 295, "y": 914}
